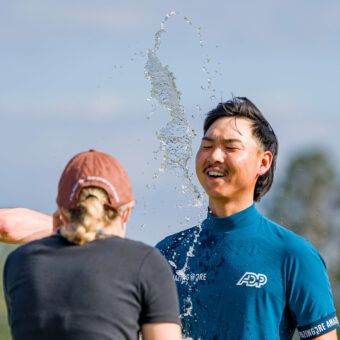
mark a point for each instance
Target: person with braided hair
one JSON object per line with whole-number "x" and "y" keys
{"x": 87, "y": 281}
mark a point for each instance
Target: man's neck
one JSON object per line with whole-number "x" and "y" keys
{"x": 224, "y": 208}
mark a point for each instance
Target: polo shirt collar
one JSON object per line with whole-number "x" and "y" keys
{"x": 243, "y": 218}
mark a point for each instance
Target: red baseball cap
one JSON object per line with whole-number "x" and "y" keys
{"x": 98, "y": 169}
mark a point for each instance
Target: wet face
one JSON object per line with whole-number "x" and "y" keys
{"x": 230, "y": 160}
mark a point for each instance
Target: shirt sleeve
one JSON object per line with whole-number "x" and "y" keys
{"x": 159, "y": 294}
{"x": 310, "y": 296}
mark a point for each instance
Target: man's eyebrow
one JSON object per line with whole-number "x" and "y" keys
{"x": 228, "y": 140}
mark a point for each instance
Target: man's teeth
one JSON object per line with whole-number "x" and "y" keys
{"x": 215, "y": 174}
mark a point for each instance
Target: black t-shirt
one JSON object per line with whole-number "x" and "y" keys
{"x": 105, "y": 289}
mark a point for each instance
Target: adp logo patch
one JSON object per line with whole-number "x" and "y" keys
{"x": 252, "y": 280}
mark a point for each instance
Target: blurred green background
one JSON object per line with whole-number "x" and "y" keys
{"x": 306, "y": 200}
{"x": 5, "y": 249}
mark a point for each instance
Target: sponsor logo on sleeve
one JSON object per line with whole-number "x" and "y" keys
{"x": 252, "y": 280}
{"x": 321, "y": 328}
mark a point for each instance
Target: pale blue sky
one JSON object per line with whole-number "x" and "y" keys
{"x": 72, "y": 78}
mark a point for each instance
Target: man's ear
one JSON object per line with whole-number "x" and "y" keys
{"x": 265, "y": 162}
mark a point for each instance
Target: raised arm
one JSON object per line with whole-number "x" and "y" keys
{"x": 21, "y": 225}
{"x": 161, "y": 331}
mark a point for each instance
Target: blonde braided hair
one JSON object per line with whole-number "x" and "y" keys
{"x": 86, "y": 221}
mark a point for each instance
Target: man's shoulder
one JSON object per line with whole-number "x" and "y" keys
{"x": 177, "y": 239}
{"x": 281, "y": 237}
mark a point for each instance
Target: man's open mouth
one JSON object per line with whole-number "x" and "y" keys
{"x": 215, "y": 174}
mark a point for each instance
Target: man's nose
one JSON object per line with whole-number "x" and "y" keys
{"x": 217, "y": 155}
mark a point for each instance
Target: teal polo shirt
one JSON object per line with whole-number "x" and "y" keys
{"x": 249, "y": 278}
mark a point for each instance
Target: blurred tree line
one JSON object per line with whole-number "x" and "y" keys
{"x": 306, "y": 200}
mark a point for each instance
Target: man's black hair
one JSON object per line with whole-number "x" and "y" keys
{"x": 241, "y": 107}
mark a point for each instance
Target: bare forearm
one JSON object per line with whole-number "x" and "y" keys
{"x": 328, "y": 336}
{"x": 21, "y": 225}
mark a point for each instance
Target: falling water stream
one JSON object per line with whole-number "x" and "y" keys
{"x": 176, "y": 137}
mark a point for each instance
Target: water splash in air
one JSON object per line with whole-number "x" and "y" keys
{"x": 176, "y": 136}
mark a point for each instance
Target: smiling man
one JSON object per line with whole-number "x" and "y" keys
{"x": 246, "y": 277}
